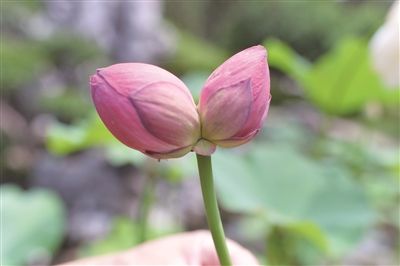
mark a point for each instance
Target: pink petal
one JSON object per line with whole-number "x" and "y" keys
{"x": 129, "y": 77}
{"x": 249, "y": 64}
{"x": 119, "y": 116}
{"x": 169, "y": 154}
{"x": 236, "y": 141}
{"x": 146, "y": 108}
{"x": 226, "y": 110}
{"x": 167, "y": 113}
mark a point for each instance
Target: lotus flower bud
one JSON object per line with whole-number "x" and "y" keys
{"x": 235, "y": 99}
{"x": 146, "y": 108}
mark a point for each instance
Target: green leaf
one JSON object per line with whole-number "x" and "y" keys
{"x": 63, "y": 139}
{"x": 262, "y": 181}
{"x": 281, "y": 185}
{"x": 340, "y": 82}
{"x": 196, "y": 54}
{"x": 282, "y": 57}
{"x": 342, "y": 210}
{"x": 32, "y": 225}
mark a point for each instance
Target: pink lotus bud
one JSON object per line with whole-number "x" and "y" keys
{"x": 235, "y": 99}
{"x": 146, "y": 108}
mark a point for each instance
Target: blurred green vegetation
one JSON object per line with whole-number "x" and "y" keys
{"x": 195, "y": 54}
{"x": 327, "y": 195}
{"x": 340, "y": 82}
{"x": 303, "y": 194}
{"x": 23, "y": 60}
{"x": 32, "y": 225}
{"x": 123, "y": 235}
{"x": 311, "y": 27}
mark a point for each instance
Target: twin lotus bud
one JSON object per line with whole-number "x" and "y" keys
{"x": 151, "y": 110}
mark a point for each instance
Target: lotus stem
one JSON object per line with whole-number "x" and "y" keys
{"x": 211, "y": 207}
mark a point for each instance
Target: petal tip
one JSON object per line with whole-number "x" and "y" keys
{"x": 93, "y": 80}
{"x": 258, "y": 48}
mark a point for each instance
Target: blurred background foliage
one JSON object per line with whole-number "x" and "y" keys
{"x": 320, "y": 185}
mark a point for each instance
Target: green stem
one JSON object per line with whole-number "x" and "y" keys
{"x": 211, "y": 206}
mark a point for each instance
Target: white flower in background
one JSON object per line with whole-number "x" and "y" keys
{"x": 384, "y": 48}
